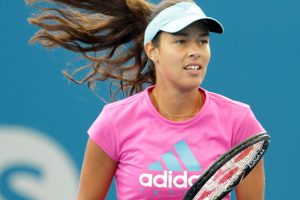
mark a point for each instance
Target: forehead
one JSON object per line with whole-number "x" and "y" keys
{"x": 197, "y": 29}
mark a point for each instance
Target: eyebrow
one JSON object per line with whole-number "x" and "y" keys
{"x": 186, "y": 34}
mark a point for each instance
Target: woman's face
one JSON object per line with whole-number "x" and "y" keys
{"x": 181, "y": 58}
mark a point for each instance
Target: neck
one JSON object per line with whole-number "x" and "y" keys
{"x": 177, "y": 105}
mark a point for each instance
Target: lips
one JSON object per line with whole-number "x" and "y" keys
{"x": 193, "y": 67}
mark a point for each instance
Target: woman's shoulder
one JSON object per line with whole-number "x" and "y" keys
{"x": 226, "y": 102}
{"x": 128, "y": 102}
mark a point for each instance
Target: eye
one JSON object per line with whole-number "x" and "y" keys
{"x": 203, "y": 41}
{"x": 180, "y": 41}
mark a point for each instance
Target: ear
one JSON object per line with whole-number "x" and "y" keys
{"x": 151, "y": 51}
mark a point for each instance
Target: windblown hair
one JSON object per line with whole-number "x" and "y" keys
{"x": 108, "y": 33}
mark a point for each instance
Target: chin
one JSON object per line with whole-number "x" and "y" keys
{"x": 191, "y": 86}
{"x": 196, "y": 83}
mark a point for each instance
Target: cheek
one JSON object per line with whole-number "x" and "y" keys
{"x": 208, "y": 59}
{"x": 166, "y": 69}
{"x": 206, "y": 56}
{"x": 169, "y": 60}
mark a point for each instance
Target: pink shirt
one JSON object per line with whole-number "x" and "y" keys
{"x": 160, "y": 159}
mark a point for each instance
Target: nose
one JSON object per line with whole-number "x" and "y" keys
{"x": 194, "y": 54}
{"x": 194, "y": 51}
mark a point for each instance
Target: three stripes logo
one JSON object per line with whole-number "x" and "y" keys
{"x": 178, "y": 168}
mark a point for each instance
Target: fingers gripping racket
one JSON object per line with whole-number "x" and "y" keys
{"x": 229, "y": 170}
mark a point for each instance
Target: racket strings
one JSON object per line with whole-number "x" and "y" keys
{"x": 231, "y": 173}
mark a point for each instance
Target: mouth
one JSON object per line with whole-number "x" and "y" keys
{"x": 194, "y": 67}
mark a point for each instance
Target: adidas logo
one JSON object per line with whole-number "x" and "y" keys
{"x": 178, "y": 163}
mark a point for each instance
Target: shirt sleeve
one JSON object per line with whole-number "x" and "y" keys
{"x": 248, "y": 127}
{"x": 103, "y": 134}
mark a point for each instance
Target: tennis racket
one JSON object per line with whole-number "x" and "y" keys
{"x": 229, "y": 170}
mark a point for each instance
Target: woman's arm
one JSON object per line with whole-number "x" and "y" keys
{"x": 252, "y": 187}
{"x": 97, "y": 172}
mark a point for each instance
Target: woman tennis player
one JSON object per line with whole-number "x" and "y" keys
{"x": 158, "y": 140}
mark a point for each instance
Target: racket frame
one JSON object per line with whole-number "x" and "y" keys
{"x": 215, "y": 166}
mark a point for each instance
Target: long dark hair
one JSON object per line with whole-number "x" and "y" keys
{"x": 108, "y": 33}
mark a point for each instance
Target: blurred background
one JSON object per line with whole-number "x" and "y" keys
{"x": 44, "y": 117}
